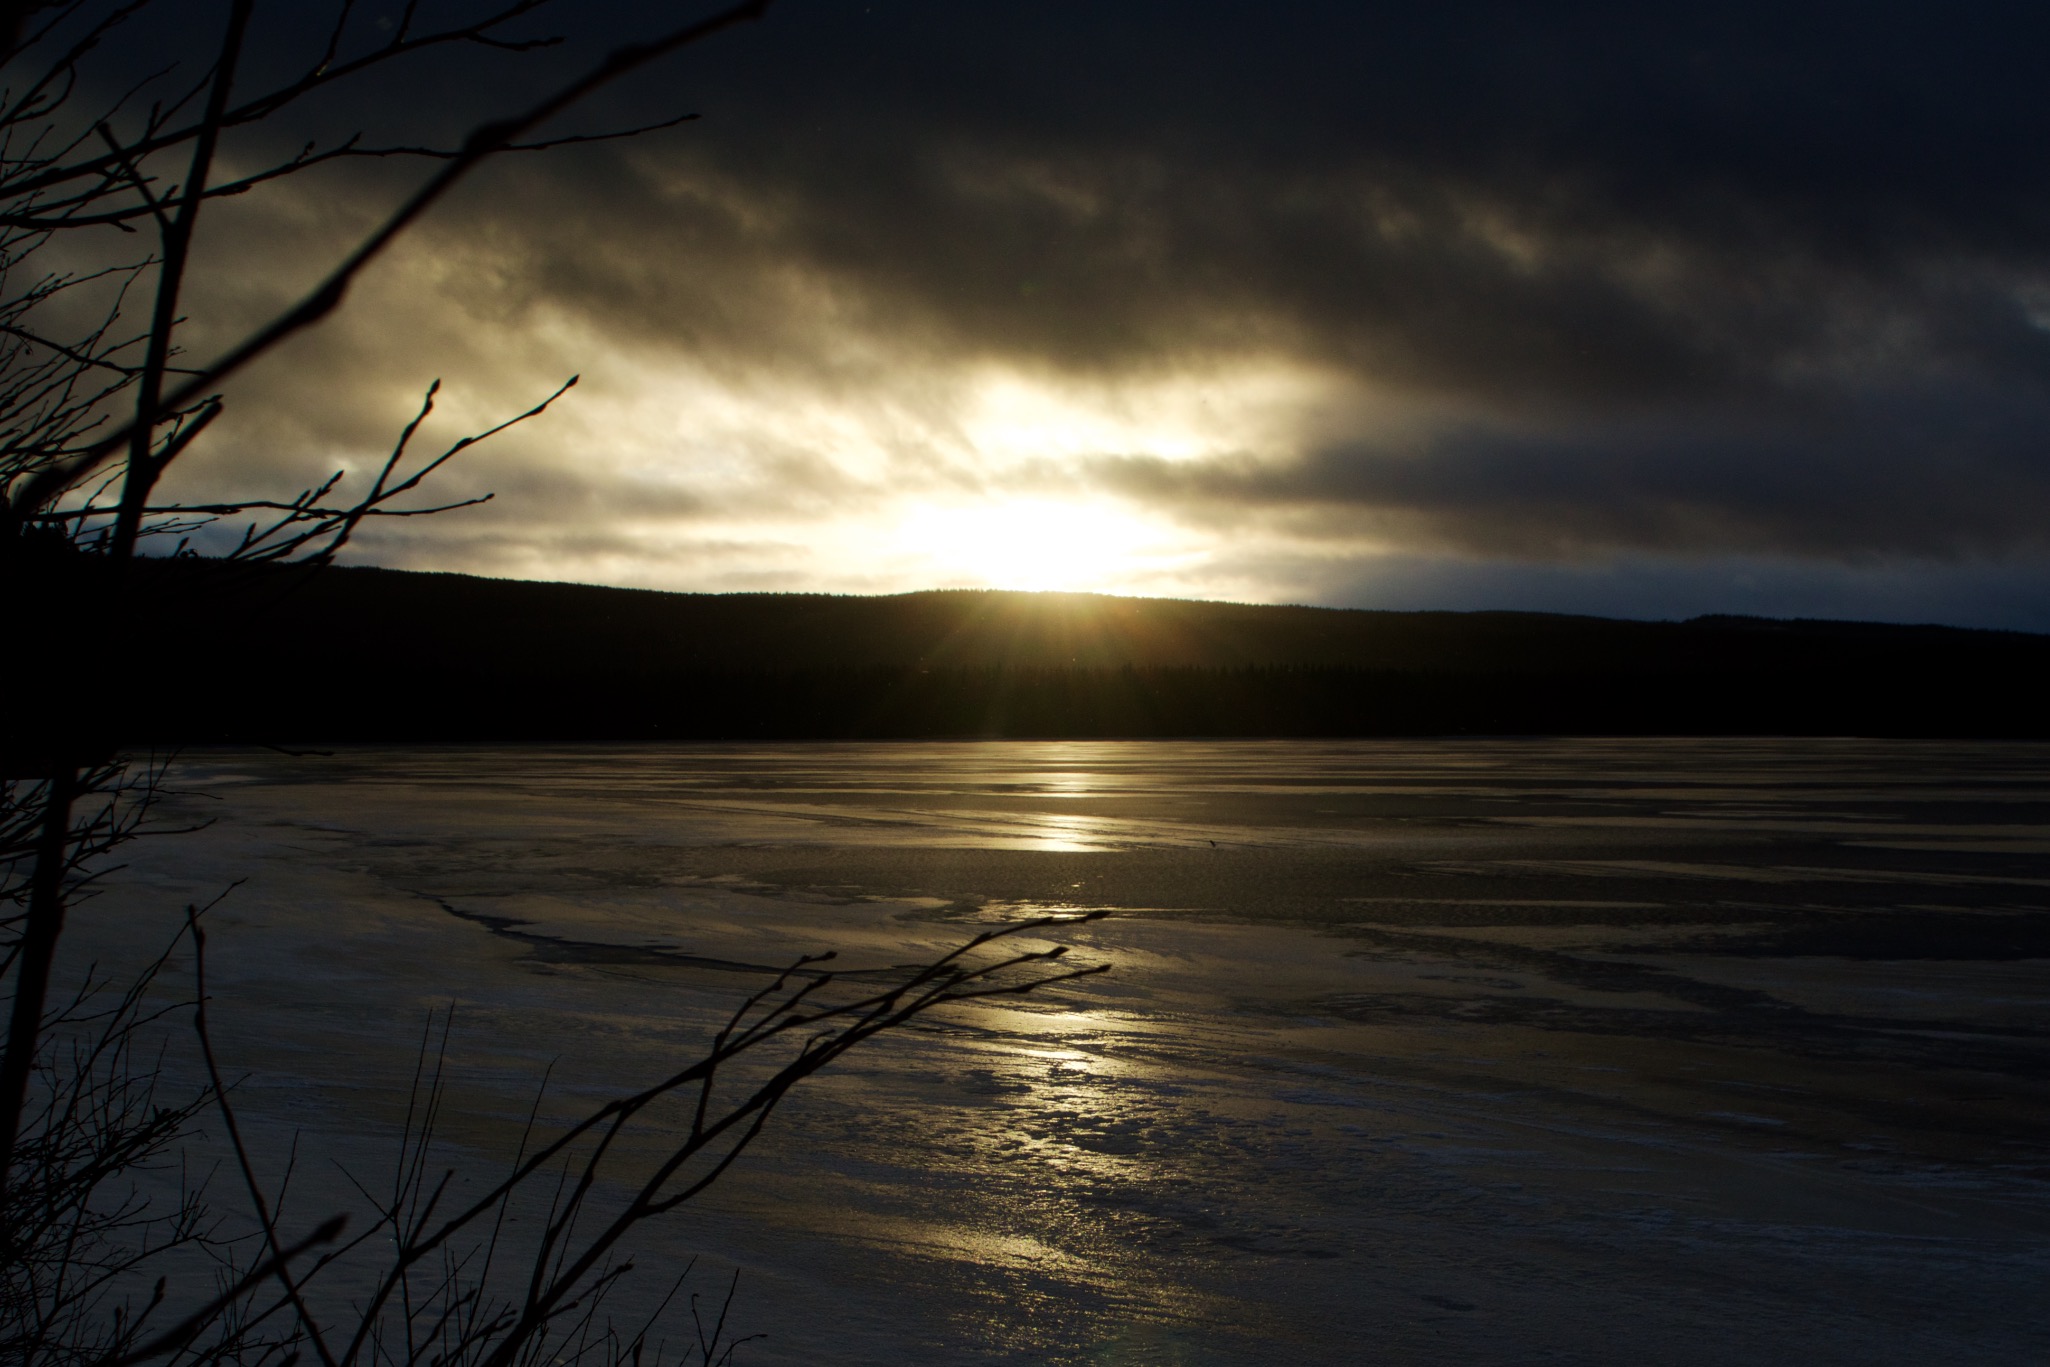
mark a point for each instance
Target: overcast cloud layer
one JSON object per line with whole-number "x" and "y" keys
{"x": 1611, "y": 308}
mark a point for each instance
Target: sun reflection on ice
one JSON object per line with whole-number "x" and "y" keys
{"x": 1068, "y": 783}
{"x": 1066, "y": 833}
{"x": 1063, "y": 1061}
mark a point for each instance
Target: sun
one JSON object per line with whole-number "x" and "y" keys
{"x": 1033, "y": 543}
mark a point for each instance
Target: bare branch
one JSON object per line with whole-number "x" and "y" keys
{"x": 484, "y": 142}
{"x": 133, "y": 175}
{"x": 189, "y": 1328}
{"x": 280, "y": 1261}
{"x": 143, "y": 467}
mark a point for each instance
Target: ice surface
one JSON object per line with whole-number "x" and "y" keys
{"x": 1462, "y": 1052}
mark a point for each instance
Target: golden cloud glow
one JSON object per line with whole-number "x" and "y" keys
{"x": 1008, "y": 417}
{"x": 867, "y": 465}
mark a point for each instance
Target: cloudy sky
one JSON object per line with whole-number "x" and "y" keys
{"x": 1642, "y": 310}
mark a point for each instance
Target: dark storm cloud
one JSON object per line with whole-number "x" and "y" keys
{"x": 1571, "y": 199}
{"x": 1746, "y": 278}
{"x": 1943, "y": 476}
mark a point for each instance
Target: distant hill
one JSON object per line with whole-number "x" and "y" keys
{"x": 352, "y": 653}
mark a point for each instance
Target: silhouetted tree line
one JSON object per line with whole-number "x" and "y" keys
{"x": 426, "y": 657}
{"x": 1160, "y": 702}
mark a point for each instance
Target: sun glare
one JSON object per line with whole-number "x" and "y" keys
{"x": 1036, "y": 544}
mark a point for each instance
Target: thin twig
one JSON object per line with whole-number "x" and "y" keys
{"x": 282, "y": 1270}
{"x": 485, "y": 141}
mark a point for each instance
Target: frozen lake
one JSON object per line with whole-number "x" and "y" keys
{"x": 1412, "y": 1052}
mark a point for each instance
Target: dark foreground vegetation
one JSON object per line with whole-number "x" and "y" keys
{"x": 386, "y": 655}
{"x": 136, "y": 1224}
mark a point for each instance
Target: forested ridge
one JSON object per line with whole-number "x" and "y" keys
{"x": 392, "y": 655}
